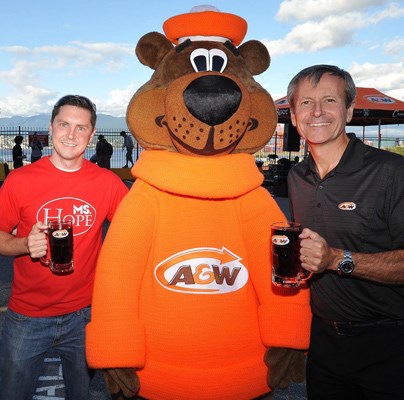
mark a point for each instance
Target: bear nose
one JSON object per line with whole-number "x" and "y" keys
{"x": 212, "y": 99}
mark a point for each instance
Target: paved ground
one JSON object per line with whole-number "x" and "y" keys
{"x": 51, "y": 386}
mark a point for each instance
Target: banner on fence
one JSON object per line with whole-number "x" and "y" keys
{"x": 43, "y": 137}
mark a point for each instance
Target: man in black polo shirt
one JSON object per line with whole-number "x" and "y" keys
{"x": 350, "y": 199}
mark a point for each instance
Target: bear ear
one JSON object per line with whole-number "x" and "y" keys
{"x": 151, "y": 49}
{"x": 256, "y": 56}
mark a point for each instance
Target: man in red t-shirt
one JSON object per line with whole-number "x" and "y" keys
{"x": 48, "y": 311}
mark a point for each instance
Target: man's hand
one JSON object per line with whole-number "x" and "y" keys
{"x": 37, "y": 242}
{"x": 315, "y": 253}
{"x": 122, "y": 383}
{"x": 284, "y": 365}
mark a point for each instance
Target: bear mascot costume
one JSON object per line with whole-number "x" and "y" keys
{"x": 183, "y": 305}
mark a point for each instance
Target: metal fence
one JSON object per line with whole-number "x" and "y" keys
{"x": 274, "y": 151}
{"x": 268, "y": 155}
{"x": 7, "y": 135}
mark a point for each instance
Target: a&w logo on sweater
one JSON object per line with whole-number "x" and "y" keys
{"x": 202, "y": 271}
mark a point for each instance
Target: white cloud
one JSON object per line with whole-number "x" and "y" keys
{"x": 334, "y": 31}
{"x": 312, "y": 9}
{"x": 31, "y": 69}
{"x": 324, "y": 29}
{"x": 29, "y": 102}
{"x": 78, "y": 54}
{"x": 391, "y": 12}
{"x": 388, "y": 78}
{"x": 22, "y": 72}
{"x": 19, "y": 50}
{"x": 117, "y": 102}
{"x": 395, "y": 47}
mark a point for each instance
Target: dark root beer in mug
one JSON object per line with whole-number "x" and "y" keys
{"x": 60, "y": 235}
{"x": 285, "y": 243}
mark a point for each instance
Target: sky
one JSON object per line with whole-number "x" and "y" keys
{"x": 50, "y": 48}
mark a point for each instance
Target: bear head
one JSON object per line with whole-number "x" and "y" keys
{"x": 202, "y": 99}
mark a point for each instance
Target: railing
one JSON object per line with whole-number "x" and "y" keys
{"x": 8, "y": 134}
{"x": 268, "y": 155}
{"x": 272, "y": 152}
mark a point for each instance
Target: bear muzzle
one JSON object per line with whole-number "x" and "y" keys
{"x": 206, "y": 115}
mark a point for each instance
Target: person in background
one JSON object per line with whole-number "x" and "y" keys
{"x": 36, "y": 147}
{"x": 350, "y": 199}
{"x": 128, "y": 144}
{"x": 296, "y": 161}
{"x": 103, "y": 151}
{"x": 18, "y": 155}
{"x": 47, "y": 311}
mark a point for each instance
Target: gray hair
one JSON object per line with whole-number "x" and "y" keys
{"x": 314, "y": 74}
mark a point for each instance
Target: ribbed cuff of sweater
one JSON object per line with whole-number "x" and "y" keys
{"x": 285, "y": 326}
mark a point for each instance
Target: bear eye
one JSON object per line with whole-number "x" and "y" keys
{"x": 208, "y": 60}
{"x": 200, "y": 60}
{"x": 218, "y": 60}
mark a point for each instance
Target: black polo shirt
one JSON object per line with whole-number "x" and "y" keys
{"x": 358, "y": 206}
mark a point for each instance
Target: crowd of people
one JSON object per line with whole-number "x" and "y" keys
{"x": 18, "y": 154}
{"x": 348, "y": 196}
{"x": 102, "y": 155}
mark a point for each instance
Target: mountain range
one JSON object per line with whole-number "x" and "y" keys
{"x": 41, "y": 122}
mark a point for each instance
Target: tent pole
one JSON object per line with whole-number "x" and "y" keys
{"x": 363, "y": 133}
{"x": 306, "y": 149}
{"x": 379, "y": 134}
{"x": 276, "y": 140}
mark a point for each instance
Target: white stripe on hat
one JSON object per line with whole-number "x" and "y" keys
{"x": 220, "y": 39}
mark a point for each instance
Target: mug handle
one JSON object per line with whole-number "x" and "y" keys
{"x": 304, "y": 274}
{"x": 46, "y": 261}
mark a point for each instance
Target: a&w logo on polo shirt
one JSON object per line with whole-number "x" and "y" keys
{"x": 347, "y": 206}
{"x": 81, "y": 213}
{"x": 202, "y": 271}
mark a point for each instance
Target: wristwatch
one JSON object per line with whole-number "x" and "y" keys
{"x": 347, "y": 265}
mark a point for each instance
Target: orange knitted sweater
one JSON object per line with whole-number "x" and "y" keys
{"x": 183, "y": 285}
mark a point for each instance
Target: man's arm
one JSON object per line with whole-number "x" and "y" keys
{"x": 35, "y": 244}
{"x": 11, "y": 245}
{"x": 386, "y": 267}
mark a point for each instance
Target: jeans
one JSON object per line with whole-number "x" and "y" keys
{"x": 26, "y": 340}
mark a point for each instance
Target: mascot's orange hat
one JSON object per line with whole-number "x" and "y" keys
{"x": 205, "y": 23}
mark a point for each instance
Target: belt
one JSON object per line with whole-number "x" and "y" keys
{"x": 350, "y": 328}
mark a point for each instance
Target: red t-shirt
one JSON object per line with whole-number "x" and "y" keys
{"x": 41, "y": 192}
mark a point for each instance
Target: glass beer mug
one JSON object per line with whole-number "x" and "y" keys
{"x": 286, "y": 266}
{"x": 60, "y": 234}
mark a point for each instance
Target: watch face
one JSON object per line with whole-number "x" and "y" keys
{"x": 346, "y": 267}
